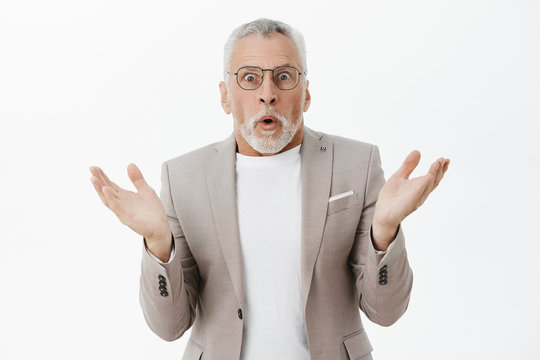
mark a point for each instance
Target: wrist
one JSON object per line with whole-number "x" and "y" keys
{"x": 383, "y": 235}
{"x": 384, "y": 222}
{"x": 160, "y": 247}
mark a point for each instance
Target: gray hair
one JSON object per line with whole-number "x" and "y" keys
{"x": 264, "y": 27}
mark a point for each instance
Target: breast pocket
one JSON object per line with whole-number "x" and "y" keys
{"x": 342, "y": 201}
{"x": 358, "y": 345}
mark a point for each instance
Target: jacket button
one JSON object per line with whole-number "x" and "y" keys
{"x": 164, "y": 293}
{"x": 162, "y": 288}
{"x": 163, "y": 283}
{"x": 383, "y": 282}
{"x": 240, "y": 313}
{"x": 161, "y": 277}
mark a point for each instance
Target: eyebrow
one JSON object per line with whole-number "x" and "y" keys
{"x": 286, "y": 64}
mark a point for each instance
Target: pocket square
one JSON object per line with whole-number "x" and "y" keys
{"x": 342, "y": 195}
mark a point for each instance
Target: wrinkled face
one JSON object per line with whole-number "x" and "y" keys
{"x": 267, "y": 117}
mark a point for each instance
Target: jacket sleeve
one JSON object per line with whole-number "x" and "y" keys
{"x": 383, "y": 279}
{"x": 170, "y": 310}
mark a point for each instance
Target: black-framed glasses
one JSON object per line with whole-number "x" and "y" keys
{"x": 251, "y": 77}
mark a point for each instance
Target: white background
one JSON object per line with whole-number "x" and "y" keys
{"x": 112, "y": 82}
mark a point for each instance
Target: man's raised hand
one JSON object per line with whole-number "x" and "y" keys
{"x": 142, "y": 211}
{"x": 400, "y": 196}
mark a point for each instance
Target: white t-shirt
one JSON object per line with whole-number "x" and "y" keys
{"x": 269, "y": 194}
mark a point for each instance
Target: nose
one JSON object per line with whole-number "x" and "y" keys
{"x": 267, "y": 91}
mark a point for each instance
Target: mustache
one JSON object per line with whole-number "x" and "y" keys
{"x": 268, "y": 111}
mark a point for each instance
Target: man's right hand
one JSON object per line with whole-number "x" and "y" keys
{"x": 142, "y": 211}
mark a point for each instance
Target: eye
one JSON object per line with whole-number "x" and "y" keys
{"x": 284, "y": 76}
{"x": 250, "y": 77}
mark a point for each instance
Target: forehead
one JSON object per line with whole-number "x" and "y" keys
{"x": 265, "y": 51}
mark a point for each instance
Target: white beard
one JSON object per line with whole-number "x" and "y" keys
{"x": 265, "y": 144}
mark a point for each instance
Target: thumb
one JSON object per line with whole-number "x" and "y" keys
{"x": 136, "y": 176}
{"x": 409, "y": 164}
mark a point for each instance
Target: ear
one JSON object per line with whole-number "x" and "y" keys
{"x": 225, "y": 104}
{"x": 307, "y": 100}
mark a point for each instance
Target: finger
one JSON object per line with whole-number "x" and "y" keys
{"x": 434, "y": 170}
{"x": 409, "y": 164}
{"x": 97, "y": 185}
{"x": 441, "y": 172}
{"x": 426, "y": 182}
{"x": 422, "y": 185}
{"x": 112, "y": 200}
{"x": 100, "y": 174}
{"x": 446, "y": 165}
{"x": 136, "y": 176}
{"x": 109, "y": 182}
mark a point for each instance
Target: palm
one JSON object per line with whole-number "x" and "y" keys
{"x": 140, "y": 211}
{"x": 400, "y": 195}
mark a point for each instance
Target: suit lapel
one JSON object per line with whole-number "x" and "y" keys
{"x": 221, "y": 179}
{"x": 316, "y": 172}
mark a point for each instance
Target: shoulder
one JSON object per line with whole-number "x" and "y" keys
{"x": 347, "y": 147}
{"x": 193, "y": 157}
{"x": 351, "y": 156}
{"x": 190, "y": 164}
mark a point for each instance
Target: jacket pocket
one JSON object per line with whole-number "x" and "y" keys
{"x": 193, "y": 351}
{"x": 358, "y": 345}
{"x": 343, "y": 203}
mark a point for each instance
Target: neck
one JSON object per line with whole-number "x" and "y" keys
{"x": 243, "y": 147}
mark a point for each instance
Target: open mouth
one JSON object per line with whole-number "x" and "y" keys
{"x": 268, "y": 122}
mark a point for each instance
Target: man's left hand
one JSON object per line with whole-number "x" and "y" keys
{"x": 400, "y": 196}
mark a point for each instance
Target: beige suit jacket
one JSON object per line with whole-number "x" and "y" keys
{"x": 202, "y": 285}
